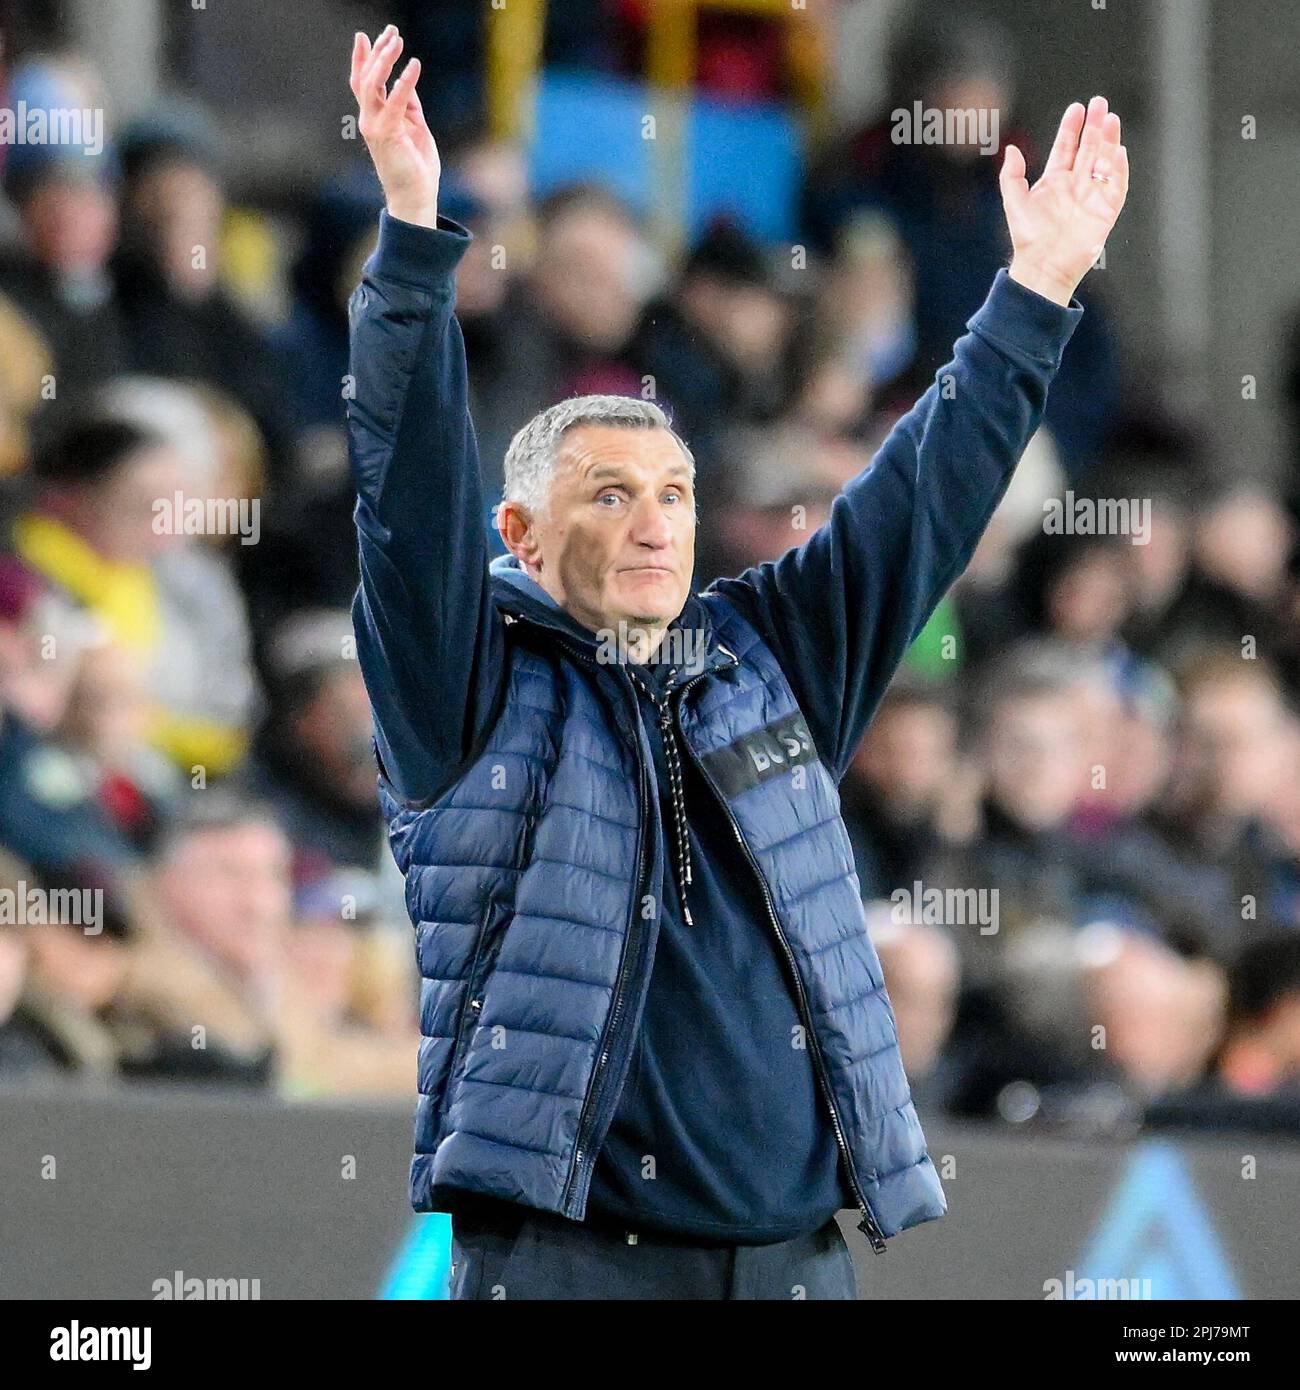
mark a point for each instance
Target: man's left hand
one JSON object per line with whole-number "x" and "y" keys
{"x": 1060, "y": 225}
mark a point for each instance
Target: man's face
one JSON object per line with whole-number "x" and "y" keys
{"x": 907, "y": 757}
{"x": 1035, "y": 759}
{"x": 229, "y": 889}
{"x": 587, "y": 277}
{"x": 117, "y": 515}
{"x": 71, "y": 224}
{"x": 1236, "y": 730}
{"x": 617, "y": 540}
{"x": 180, "y": 207}
{"x": 333, "y": 731}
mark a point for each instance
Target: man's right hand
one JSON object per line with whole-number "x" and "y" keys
{"x": 393, "y": 126}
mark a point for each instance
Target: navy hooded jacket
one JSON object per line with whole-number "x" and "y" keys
{"x": 523, "y": 776}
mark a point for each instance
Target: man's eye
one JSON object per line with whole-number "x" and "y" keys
{"x": 607, "y": 497}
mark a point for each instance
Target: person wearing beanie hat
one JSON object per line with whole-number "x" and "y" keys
{"x": 179, "y": 320}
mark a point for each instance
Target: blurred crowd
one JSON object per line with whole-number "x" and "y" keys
{"x": 1076, "y": 818}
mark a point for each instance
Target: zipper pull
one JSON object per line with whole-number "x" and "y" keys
{"x": 872, "y": 1232}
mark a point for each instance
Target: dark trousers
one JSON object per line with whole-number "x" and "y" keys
{"x": 527, "y": 1254}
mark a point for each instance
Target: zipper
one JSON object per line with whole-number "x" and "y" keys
{"x": 586, "y": 1120}
{"x": 680, "y": 830}
{"x": 868, "y": 1225}
{"x": 586, "y": 1117}
{"x": 472, "y": 1006}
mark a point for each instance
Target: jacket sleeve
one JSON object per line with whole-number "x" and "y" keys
{"x": 841, "y": 610}
{"x": 428, "y": 637}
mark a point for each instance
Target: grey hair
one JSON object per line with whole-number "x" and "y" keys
{"x": 530, "y": 459}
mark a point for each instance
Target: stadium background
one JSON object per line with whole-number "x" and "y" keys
{"x": 1101, "y": 728}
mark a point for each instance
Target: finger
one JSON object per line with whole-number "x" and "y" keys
{"x": 360, "y": 52}
{"x": 374, "y": 80}
{"x": 414, "y": 110}
{"x": 1108, "y": 157}
{"x": 388, "y": 63}
{"x": 375, "y": 52}
{"x": 1015, "y": 187}
{"x": 1112, "y": 175}
{"x": 370, "y": 87}
{"x": 399, "y": 98}
{"x": 1067, "y": 139}
{"x": 1120, "y": 176}
{"x": 1110, "y": 133}
{"x": 1090, "y": 144}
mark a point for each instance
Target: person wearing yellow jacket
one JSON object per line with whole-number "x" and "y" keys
{"x": 98, "y": 536}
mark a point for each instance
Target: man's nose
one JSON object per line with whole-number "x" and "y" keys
{"x": 650, "y": 527}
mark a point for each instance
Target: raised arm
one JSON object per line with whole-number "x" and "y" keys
{"x": 842, "y": 609}
{"x": 428, "y": 637}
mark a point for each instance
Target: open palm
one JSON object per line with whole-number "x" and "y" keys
{"x": 1059, "y": 226}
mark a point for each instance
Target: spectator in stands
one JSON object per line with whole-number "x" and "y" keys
{"x": 1251, "y": 1083}
{"x": 1083, "y": 1028}
{"x": 104, "y": 485}
{"x": 569, "y": 318}
{"x": 57, "y": 276}
{"x": 1159, "y": 568}
{"x": 313, "y": 759}
{"x": 1131, "y": 721}
{"x": 713, "y": 346}
{"x": 74, "y": 980}
{"x": 893, "y": 794}
{"x": 204, "y": 684}
{"x": 857, "y": 356}
{"x": 211, "y": 972}
{"x": 105, "y": 729}
{"x": 1047, "y": 737}
{"x": 779, "y": 485}
{"x": 281, "y": 999}
{"x": 1260, "y": 1052}
{"x": 26, "y": 371}
{"x": 1087, "y": 596}
{"x": 1239, "y": 592}
{"x": 348, "y": 1007}
{"x": 1281, "y": 834}
{"x": 179, "y": 321}
{"x": 51, "y": 815}
{"x": 1155, "y": 1013}
{"x": 1030, "y": 743}
{"x": 943, "y": 198}
{"x": 923, "y": 965}
{"x": 492, "y": 175}
{"x": 25, "y": 1051}
{"x": 42, "y": 638}
{"x": 1228, "y": 769}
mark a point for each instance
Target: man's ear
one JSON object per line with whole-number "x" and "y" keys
{"x": 519, "y": 535}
